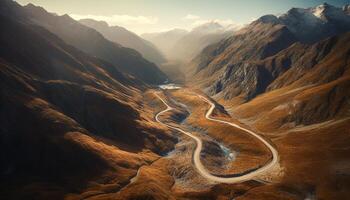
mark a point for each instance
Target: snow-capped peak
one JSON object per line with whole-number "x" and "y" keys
{"x": 267, "y": 19}
{"x": 299, "y": 17}
{"x": 326, "y": 11}
{"x": 321, "y": 21}
{"x": 318, "y": 10}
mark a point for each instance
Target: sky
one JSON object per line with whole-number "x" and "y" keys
{"x": 145, "y": 16}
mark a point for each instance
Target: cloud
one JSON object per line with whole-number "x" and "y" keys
{"x": 191, "y": 17}
{"x": 224, "y": 22}
{"x": 120, "y": 19}
{"x": 227, "y": 23}
{"x": 197, "y": 21}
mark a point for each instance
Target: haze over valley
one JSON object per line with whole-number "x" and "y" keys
{"x": 165, "y": 100}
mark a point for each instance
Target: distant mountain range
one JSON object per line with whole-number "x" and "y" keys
{"x": 165, "y": 40}
{"x": 88, "y": 40}
{"x": 181, "y": 45}
{"x": 126, "y": 38}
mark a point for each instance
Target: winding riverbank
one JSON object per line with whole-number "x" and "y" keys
{"x": 236, "y": 178}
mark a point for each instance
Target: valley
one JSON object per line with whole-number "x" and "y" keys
{"x": 103, "y": 100}
{"x": 199, "y": 145}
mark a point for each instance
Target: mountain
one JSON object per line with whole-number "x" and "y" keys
{"x": 69, "y": 121}
{"x": 210, "y": 27}
{"x": 288, "y": 78}
{"x": 181, "y": 45}
{"x": 229, "y": 64}
{"x": 313, "y": 24}
{"x": 318, "y": 73}
{"x": 126, "y": 38}
{"x": 305, "y": 111}
{"x": 198, "y": 38}
{"x": 88, "y": 40}
{"x": 76, "y": 126}
{"x": 164, "y": 41}
{"x": 243, "y": 65}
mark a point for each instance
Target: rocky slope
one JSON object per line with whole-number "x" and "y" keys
{"x": 70, "y": 122}
{"x": 305, "y": 112}
{"x": 315, "y": 80}
{"x": 313, "y": 24}
{"x": 126, "y": 38}
{"x": 288, "y": 78}
{"x": 88, "y": 40}
{"x": 229, "y": 63}
{"x": 247, "y": 63}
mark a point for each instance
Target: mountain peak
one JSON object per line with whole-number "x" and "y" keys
{"x": 93, "y": 22}
{"x": 327, "y": 12}
{"x": 319, "y": 10}
{"x": 208, "y": 27}
{"x": 66, "y": 16}
{"x": 30, "y": 5}
{"x": 313, "y": 23}
{"x": 34, "y": 7}
{"x": 267, "y": 19}
{"x": 38, "y": 10}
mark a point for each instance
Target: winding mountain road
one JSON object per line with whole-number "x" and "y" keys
{"x": 199, "y": 145}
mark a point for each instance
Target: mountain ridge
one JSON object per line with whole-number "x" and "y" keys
{"x": 126, "y": 38}
{"x": 231, "y": 59}
{"x": 59, "y": 104}
{"x": 83, "y": 117}
{"x": 88, "y": 40}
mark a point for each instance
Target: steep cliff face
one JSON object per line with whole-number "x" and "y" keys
{"x": 320, "y": 63}
{"x": 231, "y": 64}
